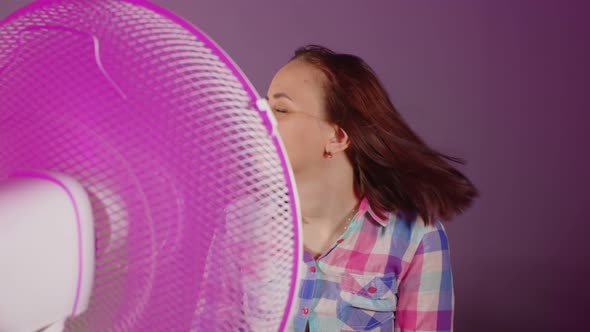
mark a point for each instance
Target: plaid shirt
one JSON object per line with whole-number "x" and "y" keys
{"x": 380, "y": 275}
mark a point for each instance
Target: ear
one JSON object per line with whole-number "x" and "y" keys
{"x": 338, "y": 142}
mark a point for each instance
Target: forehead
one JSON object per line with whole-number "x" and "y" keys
{"x": 300, "y": 80}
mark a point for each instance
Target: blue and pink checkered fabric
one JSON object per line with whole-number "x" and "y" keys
{"x": 391, "y": 274}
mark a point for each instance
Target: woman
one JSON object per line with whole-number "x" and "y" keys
{"x": 372, "y": 196}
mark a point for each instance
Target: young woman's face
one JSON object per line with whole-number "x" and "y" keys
{"x": 296, "y": 96}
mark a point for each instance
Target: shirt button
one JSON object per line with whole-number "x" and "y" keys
{"x": 372, "y": 289}
{"x": 305, "y": 310}
{"x": 312, "y": 269}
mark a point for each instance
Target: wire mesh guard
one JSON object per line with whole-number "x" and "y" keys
{"x": 194, "y": 212}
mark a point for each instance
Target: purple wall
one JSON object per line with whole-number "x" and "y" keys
{"x": 502, "y": 84}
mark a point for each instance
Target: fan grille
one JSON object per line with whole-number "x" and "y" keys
{"x": 194, "y": 216}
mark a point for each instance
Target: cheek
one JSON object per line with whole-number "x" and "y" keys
{"x": 302, "y": 139}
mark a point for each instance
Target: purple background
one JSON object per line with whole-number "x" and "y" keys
{"x": 502, "y": 84}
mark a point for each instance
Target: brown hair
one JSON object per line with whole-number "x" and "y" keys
{"x": 394, "y": 168}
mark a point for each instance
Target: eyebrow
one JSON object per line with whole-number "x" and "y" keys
{"x": 280, "y": 95}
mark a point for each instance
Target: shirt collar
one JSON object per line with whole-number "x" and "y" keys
{"x": 365, "y": 207}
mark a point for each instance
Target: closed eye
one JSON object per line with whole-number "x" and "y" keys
{"x": 280, "y": 110}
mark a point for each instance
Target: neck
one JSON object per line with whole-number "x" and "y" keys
{"x": 330, "y": 200}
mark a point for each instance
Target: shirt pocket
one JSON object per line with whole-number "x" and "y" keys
{"x": 367, "y": 301}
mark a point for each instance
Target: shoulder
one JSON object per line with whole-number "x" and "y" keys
{"x": 411, "y": 227}
{"x": 410, "y": 233}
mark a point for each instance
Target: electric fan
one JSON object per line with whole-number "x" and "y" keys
{"x": 143, "y": 185}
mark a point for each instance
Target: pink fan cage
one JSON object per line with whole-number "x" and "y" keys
{"x": 193, "y": 200}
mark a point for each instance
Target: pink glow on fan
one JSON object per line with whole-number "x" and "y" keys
{"x": 161, "y": 128}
